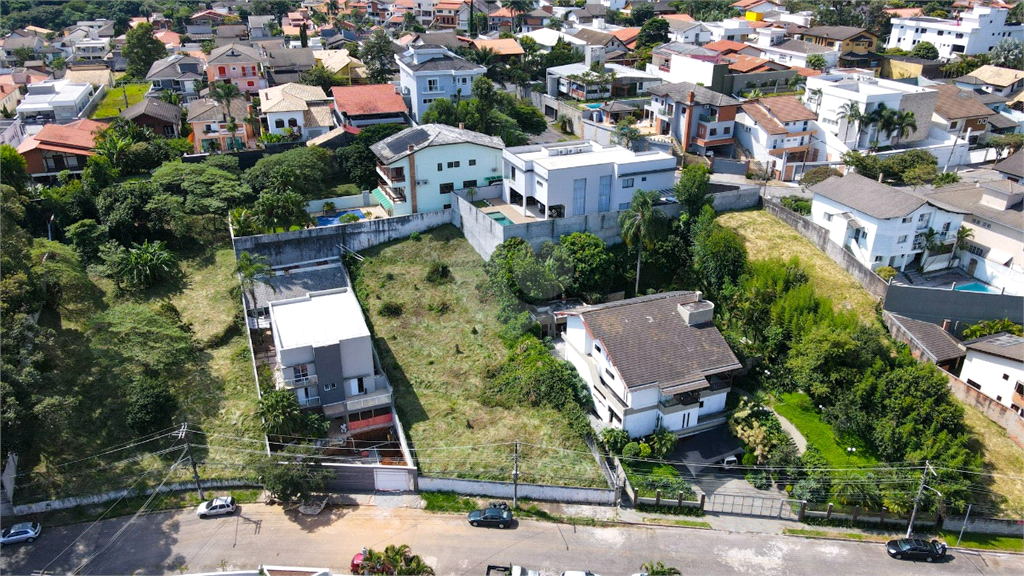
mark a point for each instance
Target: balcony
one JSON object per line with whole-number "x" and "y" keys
{"x": 291, "y": 381}
{"x": 390, "y": 175}
{"x": 369, "y": 400}
{"x": 312, "y": 402}
{"x": 706, "y": 118}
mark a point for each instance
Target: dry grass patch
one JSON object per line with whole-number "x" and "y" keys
{"x": 1003, "y": 458}
{"x": 208, "y": 301}
{"x": 766, "y": 236}
{"x": 439, "y": 352}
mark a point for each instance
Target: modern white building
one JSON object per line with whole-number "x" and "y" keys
{"x": 974, "y": 32}
{"x": 884, "y": 226}
{"x": 568, "y": 179}
{"x": 732, "y": 29}
{"x": 547, "y": 38}
{"x": 53, "y": 101}
{"x": 796, "y": 52}
{"x": 651, "y": 362}
{"x": 995, "y": 215}
{"x": 995, "y": 367}
{"x": 827, "y": 94}
{"x": 421, "y": 167}
{"x": 297, "y": 110}
{"x": 779, "y": 132}
{"x": 687, "y": 31}
{"x": 429, "y": 71}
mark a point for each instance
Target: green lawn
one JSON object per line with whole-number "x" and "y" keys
{"x": 984, "y": 541}
{"x": 766, "y": 236}
{"x": 345, "y": 190}
{"x": 798, "y": 409}
{"x": 440, "y": 355}
{"x": 113, "y": 102}
{"x": 684, "y": 523}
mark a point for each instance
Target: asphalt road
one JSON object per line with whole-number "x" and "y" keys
{"x": 178, "y": 542}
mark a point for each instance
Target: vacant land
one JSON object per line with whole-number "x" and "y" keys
{"x": 767, "y": 237}
{"x": 1003, "y": 459}
{"x": 798, "y": 409}
{"x": 440, "y": 352}
{"x": 345, "y": 190}
{"x": 113, "y": 102}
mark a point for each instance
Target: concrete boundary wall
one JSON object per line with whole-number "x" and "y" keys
{"x": 344, "y": 202}
{"x": 819, "y": 237}
{"x": 66, "y": 503}
{"x": 994, "y": 411}
{"x": 574, "y": 495}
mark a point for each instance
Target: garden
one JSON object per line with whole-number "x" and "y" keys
{"x": 119, "y": 99}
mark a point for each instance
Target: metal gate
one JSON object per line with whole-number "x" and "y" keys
{"x": 749, "y": 505}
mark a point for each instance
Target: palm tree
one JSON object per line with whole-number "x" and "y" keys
{"x": 850, "y": 111}
{"x": 658, "y": 569}
{"x": 113, "y": 147}
{"x": 518, "y": 8}
{"x": 880, "y": 118}
{"x": 963, "y": 234}
{"x": 642, "y": 224}
{"x": 223, "y": 93}
{"x": 252, "y": 270}
{"x": 815, "y": 93}
{"x": 755, "y": 93}
{"x": 902, "y": 124}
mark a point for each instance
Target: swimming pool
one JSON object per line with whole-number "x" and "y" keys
{"x": 499, "y": 218}
{"x": 594, "y": 106}
{"x": 977, "y": 287}
{"x": 336, "y": 219}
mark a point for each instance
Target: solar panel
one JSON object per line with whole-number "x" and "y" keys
{"x": 412, "y": 138}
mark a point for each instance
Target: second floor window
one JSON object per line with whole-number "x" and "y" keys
{"x": 432, "y": 85}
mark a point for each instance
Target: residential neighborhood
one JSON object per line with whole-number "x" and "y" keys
{"x": 535, "y": 287}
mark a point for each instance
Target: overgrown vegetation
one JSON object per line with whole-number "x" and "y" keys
{"x": 489, "y": 111}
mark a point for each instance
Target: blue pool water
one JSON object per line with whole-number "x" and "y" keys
{"x": 336, "y": 219}
{"x": 976, "y": 287}
{"x": 500, "y": 218}
{"x": 594, "y": 106}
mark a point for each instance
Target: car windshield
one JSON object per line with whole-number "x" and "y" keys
{"x": 906, "y": 544}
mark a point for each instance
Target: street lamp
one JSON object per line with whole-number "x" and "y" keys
{"x": 849, "y": 452}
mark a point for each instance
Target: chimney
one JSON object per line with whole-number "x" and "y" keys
{"x": 945, "y": 325}
{"x": 411, "y": 147}
{"x": 462, "y": 125}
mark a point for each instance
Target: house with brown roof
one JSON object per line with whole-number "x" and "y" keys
{"x": 505, "y": 49}
{"x": 652, "y": 362}
{"x": 778, "y": 132}
{"x": 210, "y": 126}
{"x": 297, "y": 111}
{"x": 162, "y": 118}
{"x": 1012, "y": 168}
{"x": 994, "y": 80}
{"x": 855, "y": 45}
{"x": 927, "y": 342}
{"x": 59, "y": 147}
{"x": 701, "y": 119}
{"x": 368, "y": 104}
{"x": 959, "y": 112}
{"x": 241, "y": 65}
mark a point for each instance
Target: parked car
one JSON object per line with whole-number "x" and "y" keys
{"x": 499, "y": 517}
{"x": 578, "y": 573}
{"x": 915, "y": 549}
{"x": 510, "y": 570}
{"x": 23, "y": 532}
{"x": 216, "y": 507}
{"x": 729, "y": 463}
{"x": 356, "y": 561}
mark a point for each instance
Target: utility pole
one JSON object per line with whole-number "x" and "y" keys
{"x": 183, "y": 435}
{"x": 515, "y": 477}
{"x": 917, "y": 499}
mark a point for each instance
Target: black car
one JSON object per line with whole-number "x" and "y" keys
{"x": 915, "y": 549}
{"x": 491, "y": 517}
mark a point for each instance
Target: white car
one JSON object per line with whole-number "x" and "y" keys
{"x": 24, "y": 532}
{"x": 216, "y": 507}
{"x": 578, "y": 573}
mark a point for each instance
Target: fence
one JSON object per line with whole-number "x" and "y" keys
{"x": 994, "y": 411}
{"x": 553, "y": 108}
{"x": 569, "y": 494}
{"x": 819, "y": 237}
{"x": 65, "y": 503}
{"x": 101, "y": 92}
{"x": 343, "y": 202}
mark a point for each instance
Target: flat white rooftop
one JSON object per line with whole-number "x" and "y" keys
{"x": 592, "y": 154}
{"x": 317, "y": 319}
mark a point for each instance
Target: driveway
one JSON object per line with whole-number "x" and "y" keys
{"x": 708, "y": 447}
{"x": 179, "y": 542}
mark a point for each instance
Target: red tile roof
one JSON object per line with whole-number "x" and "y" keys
{"x": 368, "y": 99}
{"x": 726, "y": 46}
{"x": 78, "y": 137}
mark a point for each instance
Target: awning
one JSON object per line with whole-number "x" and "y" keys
{"x": 851, "y": 220}
{"x": 680, "y": 387}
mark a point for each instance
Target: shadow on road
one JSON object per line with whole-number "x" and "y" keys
{"x": 311, "y": 524}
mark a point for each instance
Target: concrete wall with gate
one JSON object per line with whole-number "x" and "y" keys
{"x": 575, "y": 495}
{"x": 65, "y": 503}
{"x": 553, "y": 108}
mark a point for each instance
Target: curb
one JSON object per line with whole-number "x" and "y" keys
{"x": 961, "y": 549}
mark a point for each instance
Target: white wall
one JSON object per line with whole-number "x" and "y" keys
{"x": 428, "y": 196}
{"x": 713, "y": 403}
{"x": 988, "y": 371}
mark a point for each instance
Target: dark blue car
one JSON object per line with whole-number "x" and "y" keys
{"x": 491, "y": 517}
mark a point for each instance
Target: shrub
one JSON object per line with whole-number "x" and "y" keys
{"x": 614, "y": 439}
{"x": 662, "y": 442}
{"x": 885, "y": 272}
{"x": 797, "y": 204}
{"x": 645, "y": 450}
{"x": 391, "y": 309}
{"x": 759, "y": 480}
{"x": 818, "y": 174}
{"x": 415, "y": 236}
{"x": 348, "y": 219}
{"x": 439, "y": 273}
{"x": 440, "y": 308}
{"x": 631, "y": 450}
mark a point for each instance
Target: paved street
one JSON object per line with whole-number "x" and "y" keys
{"x": 167, "y": 543}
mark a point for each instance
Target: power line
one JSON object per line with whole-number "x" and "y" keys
{"x": 117, "y": 448}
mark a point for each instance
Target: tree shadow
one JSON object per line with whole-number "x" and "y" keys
{"x": 310, "y": 524}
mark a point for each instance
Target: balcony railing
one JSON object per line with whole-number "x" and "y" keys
{"x": 312, "y": 402}
{"x": 366, "y": 402}
{"x": 282, "y": 382}
{"x": 705, "y": 118}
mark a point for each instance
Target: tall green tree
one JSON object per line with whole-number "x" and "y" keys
{"x": 902, "y": 124}
{"x": 817, "y": 62}
{"x": 642, "y": 225}
{"x": 253, "y": 270}
{"x": 925, "y": 50}
{"x": 223, "y": 93}
{"x": 293, "y": 474}
{"x": 652, "y": 33}
{"x": 141, "y": 49}
{"x": 378, "y": 56}
{"x": 627, "y": 135}
{"x": 13, "y": 169}
{"x": 850, "y": 111}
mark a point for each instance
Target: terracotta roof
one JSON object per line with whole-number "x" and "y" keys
{"x": 626, "y": 34}
{"x": 787, "y": 108}
{"x": 903, "y": 12}
{"x": 744, "y": 63}
{"x": 361, "y": 99}
{"x": 806, "y": 72}
{"x": 724, "y": 46}
{"x": 955, "y": 103}
{"x": 762, "y": 118}
{"x": 78, "y": 137}
{"x": 685, "y": 17}
{"x": 502, "y": 13}
{"x": 501, "y": 46}
{"x": 649, "y": 342}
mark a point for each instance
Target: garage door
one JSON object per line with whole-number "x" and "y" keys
{"x": 393, "y": 480}
{"x": 351, "y": 479}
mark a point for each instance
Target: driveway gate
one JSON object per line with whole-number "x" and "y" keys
{"x": 749, "y": 505}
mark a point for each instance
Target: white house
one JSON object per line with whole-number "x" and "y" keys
{"x": 796, "y": 52}
{"x": 779, "y": 131}
{"x": 731, "y": 29}
{"x": 995, "y": 367}
{"x": 421, "y": 167}
{"x": 884, "y": 226}
{"x": 651, "y": 362}
{"x": 568, "y": 179}
{"x": 297, "y": 109}
{"x": 995, "y": 215}
{"x": 974, "y": 32}
{"x": 53, "y": 101}
{"x": 179, "y": 74}
{"x": 324, "y": 354}
{"x": 547, "y": 38}
{"x": 429, "y": 71}
{"x": 688, "y": 32}
{"x": 829, "y": 93}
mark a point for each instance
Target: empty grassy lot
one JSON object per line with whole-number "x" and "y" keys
{"x": 798, "y": 409}
{"x": 767, "y": 237}
{"x": 1003, "y": 458}
{"x": 439, "y": 354}
{"x": 113, "y": 102}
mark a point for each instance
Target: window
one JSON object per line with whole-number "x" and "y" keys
{"x": 1020, "y": 388}
{"x": 714, "y": 131}
{"x": 168, "y": 130}
{"x": 447, "y": 188}
{"x": 362, "y": 386}
{"x": 827, "y": 216}
{"x": 440, "y": 166}
{"x": 446, "y": 206}
{"x": 331, "y": 386}
{"x": 902, "y": 239}
{"x": 469, "y": 183}
{"x": 906, "y": 220}
{"x": 472, "y": 161}
{"x": 292, "y": 122}
{"x": 973, "y": 384}
{"x": 432, "y": 85}
{"x": 579, "y": 196}
{"x": 954, "y": 124}
{"x": 597, "y": 347}
{"x": 701, "y": 404}
{"x": 1006, "y": 376}
{"x": 624, "y": 206}
{"x": 454, "y": 164}
{"x": 726, "y": 130}
{"x": 627, "y": 182}
{"x": 922, "y": 218}
{"x": 604, "y": 194}
{"x": 609, "y": 373}
{"x": 513, "y": 172}
{"x": 251, "y": 83}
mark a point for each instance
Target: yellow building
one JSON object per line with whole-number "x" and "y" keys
{"x": 856, "y": 45}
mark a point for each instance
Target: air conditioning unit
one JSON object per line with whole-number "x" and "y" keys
{"x": 421, "y": 182}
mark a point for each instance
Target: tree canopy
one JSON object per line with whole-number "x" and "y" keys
{"x": 141, "y": 49}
